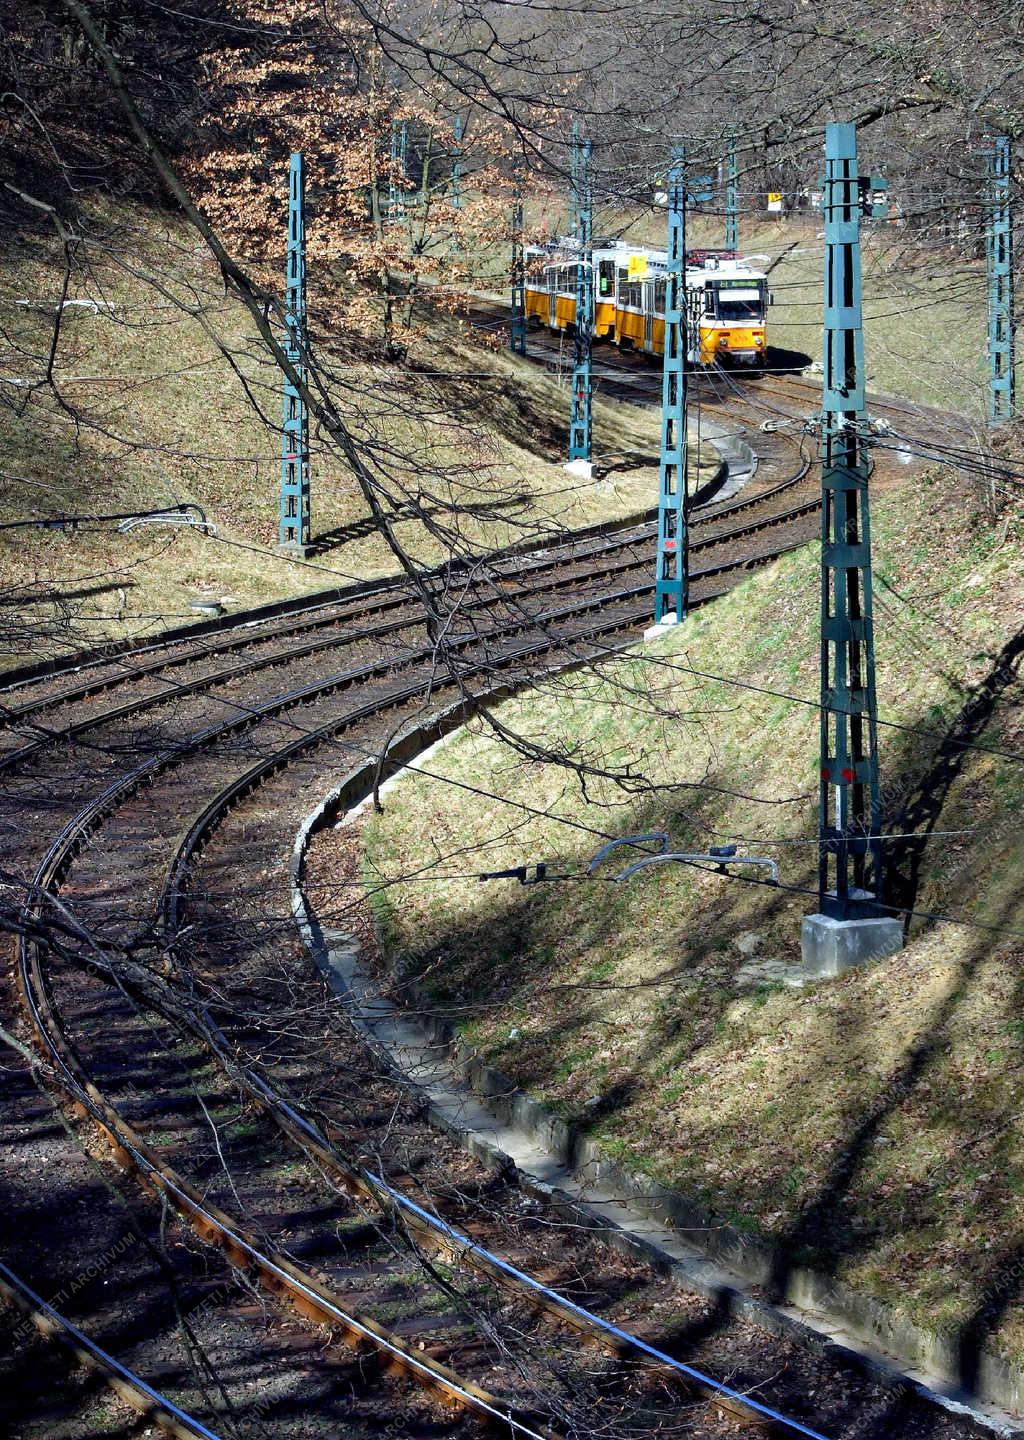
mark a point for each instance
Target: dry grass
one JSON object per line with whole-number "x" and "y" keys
{"x": 871, "y": 1123}
{"x": 924, "y": 309}
{"x": 164, "y": 419}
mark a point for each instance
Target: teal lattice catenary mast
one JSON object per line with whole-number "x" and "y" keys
{"x": 581, "y": 421}
{"x": 999, "y": 264}
{"x": 850, "y": 850}
{"x": 670, "y": 586}
{"x": 293, "y": 528}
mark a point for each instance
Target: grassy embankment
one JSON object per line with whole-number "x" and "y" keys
{"x": 924, "y": 309}
{"x": 166, "y": 420}
{"x": 870, "y": 1124}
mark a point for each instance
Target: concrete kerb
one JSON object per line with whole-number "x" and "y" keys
{"x": 486, "y": 1113}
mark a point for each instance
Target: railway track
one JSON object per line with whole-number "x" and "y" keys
{"x": 629, "y": 606}
{"x": 129, "y": 1387}
{"x": 209, "y": 1220}
{"x": 158, "y": 1027}
{"x": 328, "y": 626}
{"x": 743, "y": 393}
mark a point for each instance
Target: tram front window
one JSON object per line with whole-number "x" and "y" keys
{"x": 731, "y": 307}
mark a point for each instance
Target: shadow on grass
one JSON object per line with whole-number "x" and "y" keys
{"x": 84, "y": 592}
{"x": 453, "y": 518}
{"x": 786, "y": 362}
{"x": 503, "y": 962}
{"x": 926, "y": 799}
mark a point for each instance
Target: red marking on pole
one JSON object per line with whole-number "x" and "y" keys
{"x": 847, "y": 773}
{"x": 825, "y": 772}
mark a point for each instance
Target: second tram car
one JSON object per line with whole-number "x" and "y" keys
{"x": 726, "y": 299}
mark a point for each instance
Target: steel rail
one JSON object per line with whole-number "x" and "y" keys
{"x": 176, "y": 691}
{"x": 203, "y": 822}
{"x": 282, "y": 1278}
{"x": 86, "y": 819}
{"x": 344, "y": 678}
{"x": 398, "y": 595}
{"x": 454, "y": 1246}
{"x": 279, "y": 1276}
{"x": 332, "y": 600}
{"x": 179, "y": 690}
{"x": 211, "y": 1223}
{"x": 875, "y": 402}
{"x": 130, "y": 1151}
{"x": 304, "y": 607}
{"x": 130, "y": 1387}
{"x": 365, "y": 1185}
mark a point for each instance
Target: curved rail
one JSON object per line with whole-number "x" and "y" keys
{"x": 321, "y": 610}
{"x": 278, "y": 1275}
{"x": 444, "y": 1239}
{"x": 128, "y": 1386}
{"x": 180, "y": 690}
{"x": 241, "y": 1248}
{"x": 319, "y": 616}
{"x": 431, "y": 1230}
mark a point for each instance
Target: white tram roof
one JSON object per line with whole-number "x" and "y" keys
{"x": 706, "y": 263}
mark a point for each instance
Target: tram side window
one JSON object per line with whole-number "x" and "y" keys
{"x": 659, "y": 297}
{"x": 709, "y": 298}
{"x": 606, "y": 279}
{"x": 631, "y": 294}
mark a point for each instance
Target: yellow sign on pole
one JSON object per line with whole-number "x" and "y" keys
{"x": 774, "y": 201}
{"x": 637, "y": 267}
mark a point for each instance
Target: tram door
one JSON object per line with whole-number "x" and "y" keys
{"x": 552, "y": 296}
{"x": 648, "y": 295}
{"x": 695, "y": 311}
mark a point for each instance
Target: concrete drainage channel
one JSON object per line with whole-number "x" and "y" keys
{"x": 507, "y": 1128}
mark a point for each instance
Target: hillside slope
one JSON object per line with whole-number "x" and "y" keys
{"x": 871, "y": 1124}
{"x": 163, "y": 394}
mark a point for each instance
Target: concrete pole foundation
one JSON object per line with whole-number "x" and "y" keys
{"x": 831, "y": 947}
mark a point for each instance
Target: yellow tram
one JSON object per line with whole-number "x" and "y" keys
{"x": 726, "y": 299}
